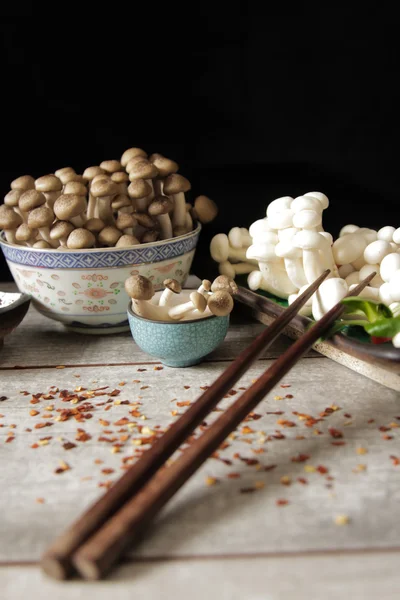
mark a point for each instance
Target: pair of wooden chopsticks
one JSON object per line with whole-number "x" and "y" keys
{"x": 93, "y": 544}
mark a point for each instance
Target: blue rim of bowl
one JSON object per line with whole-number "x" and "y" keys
{"x": 186, "y": 322}
{"x": 92, "y": 258}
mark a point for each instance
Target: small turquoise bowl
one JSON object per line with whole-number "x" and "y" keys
{"x": 178, "y": 343}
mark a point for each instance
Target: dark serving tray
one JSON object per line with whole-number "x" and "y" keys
{"x": 380, "y": 362}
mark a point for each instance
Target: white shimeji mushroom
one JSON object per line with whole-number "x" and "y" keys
{"x": 330, "y": 292}
{"x": 239, "y": 237}
{"x": 286, "y": 235}
{"x": 350, "y": 228}
{"x": 196, "y": 302}
{"x": 386, "y": 233}
{"x": 307, "y": 219}
{"x": 345, "y": 270}
{"x": 279, "y": 205}
{"x": 389, "y": 265}
{"x": 396, "y": 236}
{"x": 353, "y": 278}
{"x": 375, "y": 252}
{"x": 368, "y": 293}
{"x": 394, "y": 286}
{"x": 282, "y": 219}
{"x": 306, "y": 309}
{"x": 232, "y": 270}
{"x": 348, "y": 248}
{"x": 366, "y": 270}
{"x": 259, "y": 227}
{"x": 370, "y": 235}
{"x": 316, "y": 253}
{"x": 385, "y": 295}
{"x": 276, "y": 280}
{"x": 321, "y": 197}
{"x": 141, "y": 290}
{"x": 293, "y": 260}
{"x": 306, "y": 203}
{"x": 221, "y": 250}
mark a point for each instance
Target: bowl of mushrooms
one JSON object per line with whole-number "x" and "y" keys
{"x": 179, "y": 326}
{"x": 71, "y": 240}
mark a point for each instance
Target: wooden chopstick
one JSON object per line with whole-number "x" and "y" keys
{"x": 56, "y": 562}
{"x": 96, "y": 557}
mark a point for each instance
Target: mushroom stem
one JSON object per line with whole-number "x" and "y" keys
{"x": 145, "y": 309}
{"x": 165, "y": 226}
{"x": 91, "y": 208}
{"x": 276, "y": 280}
{"x": 10, "y": 236}
{"x": 312, "y": 263}
{"x": 179, "y": 214}
{"x": 103, "y": 209}
{"x": 294, "y": 269}
{"x": 197, "y": 301}
{"x": 232, "y": 270}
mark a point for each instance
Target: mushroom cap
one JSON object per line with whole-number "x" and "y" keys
{"x": 120, "y": 177}
{"x": 126, "y": 240}
{"x": 109, "y": 236}
{"x": 287, "y": 250}
{"x": 125, "y": 220}
{"x": 220, "y": 303}
{"x": 60, "y": 172}
{"x": 130, "y": 165}
{"x": 282, "y": 219}
{"x": 206, "y": 283}
{"x": 61, "y": 229}
{"x": 219, "y": 247}
{"x": 175, "y": 183}
{"x": 9, "y": 219}
{"x": 42, "y": 244}
{"x": 306, "y": 219}
{"x": 25, "y": 233}
{"x": 173, "y": 285}
{"x": 161, "y": 205}
{"x": 80, "y": 238}
{"x": 348, "y": 248}
{"x": 306, "y": 203}
{"x": 198, "y": 301}
{"x": 41, "y": 216}
{"x": 205, "y": 209}
{"x": 91, "y": 172}
{"x": 222, "y": 282}
{"x": 145, "y": 220}
{"x": 139, "y": 188}
{"x": 139, "y": 287}
{"x": 111, "y": 166}
{"x": 321, "y": 197}
{"x": 386, "y": 233}
{"x": 132, "y": 153}
{"x": 99, "y": 177}
{"x": 12, "y": 197}
{"x": 68, "y": 206}
{"x": 70, "y": 176}
{"x": 278, "y": 205}
{"x": 389, "y": 265}
{"x": 25, "y": 182}
{"x": 143, "y": 169}
{"x": 120, "y": 200}
{"x": 103, "y": 187}
{"x": 308, "y": 240}
{"x": 165, "y": 165}
{"x": 75, "y": 187}
{"x": 94, "y": 225}
{"x": 263, "y": 252}
{"x": 30, "y": 200}
{"x": 150, "y": 236}
{"x": 48, "y": 183}
{"x": 259, "y": 227}
{"x": 375, "y": 252}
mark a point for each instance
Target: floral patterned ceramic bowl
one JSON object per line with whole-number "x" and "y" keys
{"x": 84, "y": 289}
{"x": 178, "y": 343}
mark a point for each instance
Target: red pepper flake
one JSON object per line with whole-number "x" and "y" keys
{"x": 41, "y": 425}
{"x": 60, "y": 367}
{"x": 104, "y": 423}
{"x": 300, "y": 458}
{"x": 232, "y": 392}
{"x": 278, "y": 436}
{"x": 186, "y": 387}
{"x": 158, "y": 368}
{"x": 302, "y": 480}
{"x": 275, "y": 412}
{"x": 323, "y": 470}
{"x": 33, "y": 413}
{"x": 184, "y": 403}
{"x": 103, "y": 438}
{"x": 141, "y": 370}
{"x": 338, "y": 443}
{"x": 247, "y": 490}
{"x": 3, "y": 398}
{"x": 289, "y": 396}
{"x": 253, "y": 417}
{"x": 10, "y": 439}
{"x": 395, "y": 460}
{"x": 348, "y": 415}
{"x": 335, "y": 433}
{"x": 34, "y": 401}
{"x": 285, "y": 385}
{"x": 69, "y": 445}
{"x": 281, "y": 502}
{"x": 108, "y": 407}
{"x": 106, "y": 484}
{"x": 107, "y": 471}
{"x": 82, "y": 435}
{"x": 387, "y": 437}
{"x": 233, "y": 475}
{"x": 40, "y": 500}
{"x": 285, "y": 423}
{"x": 204, "y": 387}
{"x": 121, "y": 422}
{"x": 246, "y": 430}
{"x": 63, "y": 467}
{"x": 250, "y": 462}
{"x": 384, "y": 428}
{"x": 98, "y": 461}
{"x": 269, "y": 467}
{"x": 115, "y": 393}
{"x": 258, "y": 450}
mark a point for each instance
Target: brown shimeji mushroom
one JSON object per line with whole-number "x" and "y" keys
{"x": 25, "y": 182}
{"x": 60, "y": 231}
{"x": 145, "y": 220}
{"x": 188, "y": 217}
{"x": 75, "y": 187}
{"x": 69, "y": 175}
{"x": 104, "y": 190}
{"x": 81, "y": 238}
{"x": 94, "y": 225}
{"x": 141, "y": 290}
{"x": 28, "y": 201}
{"x": 180, "y": 230}
{"x": 90, "y": 172}
{"x": 121, "y": 178}
{"x": 205, "y": 209}
{"x": 196, "y": 302}
{"x": 51, "y": 187}
{"x": 42, "y": 244}
{"x": 122, "y": 203}
{"x": 160, "y": 208}
{"x": 126, "y": 240}
{"x": 222, "y": 282}
{"x": 172, "y": 286}
{"x": 165, "y": 167}
{"x": 109, "y": 236}
{"x": 150, "y": 236}
{"x": 63, "y": 171}
{"x": 143, "y": 169}
{"x": 132, "y": 153}
{"x": 139, "y": 191}
{"x": 125, "y": 223}
{"x": 25, "y": 235}
{"x": 71, "y": 207}
{"x": 9, "y": 221}
{"x": 41, "y": 218}
{"x": 205, "y": 287}
{"x": 176, "y": 185}
{"x": 220, "y": 303}
{"x": 133, "y": 162}
{"x": 11, "y": 200}
{"x": 111, "y": 166}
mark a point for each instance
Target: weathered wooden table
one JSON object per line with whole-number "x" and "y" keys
{"x": 302, "y": 502}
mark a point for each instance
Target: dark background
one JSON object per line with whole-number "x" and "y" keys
{"x": 253, "y": 100}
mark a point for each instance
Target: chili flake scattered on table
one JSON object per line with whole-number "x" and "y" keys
{"x": 281, "y": 502}
{"x": 211, "y": 481}
{"x": 361, "y": 450}
{"x": 342, "y": 520}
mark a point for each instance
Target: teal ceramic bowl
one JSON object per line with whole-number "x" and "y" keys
{"x": 179, "y": 343}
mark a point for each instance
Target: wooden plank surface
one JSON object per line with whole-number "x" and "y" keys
{"x": 206, "y": 519}
{"x": 358, "y": 576}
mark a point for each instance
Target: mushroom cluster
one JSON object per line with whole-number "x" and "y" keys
{"x": 292, "y": 249}
{"x": 135, "y": 200}
{"x": 209, "y": 299}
